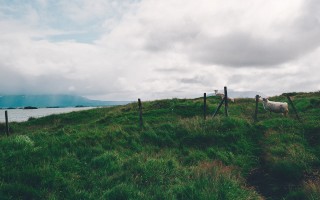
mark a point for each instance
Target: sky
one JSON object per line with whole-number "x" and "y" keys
{"x": 151, "y": 49}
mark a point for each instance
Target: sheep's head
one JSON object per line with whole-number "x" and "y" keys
{"x": 264, "y": 99}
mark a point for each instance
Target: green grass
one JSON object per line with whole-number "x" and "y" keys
{"x": 103, "y": 153}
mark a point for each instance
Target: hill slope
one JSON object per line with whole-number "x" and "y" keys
{"x": 103, "y": 154}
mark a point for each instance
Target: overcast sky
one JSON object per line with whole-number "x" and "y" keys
{"x": 153, "y": 49}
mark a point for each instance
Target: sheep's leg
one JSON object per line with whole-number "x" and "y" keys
{"x": 283, "y": 111}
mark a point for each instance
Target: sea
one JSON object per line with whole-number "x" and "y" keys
{"x": 21, "y": 115}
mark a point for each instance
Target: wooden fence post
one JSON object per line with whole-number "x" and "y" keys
{"x": 256, "y": 111}
{"x": 226, "y": 101}
{"x": 294, "y": 108}
{"x": 204, "y": 106}
{"x": 140, "y": 113}
{"x": 7, "y": 123}
{"x": 215, "y": 112}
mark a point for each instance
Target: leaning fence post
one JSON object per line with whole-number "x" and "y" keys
{"x": 226, "y": 101}
{"x": 204, "y": 105}
{"x": 140, "y": 113}
{"x": 215, "y": 112}
{"x": 7, "y": 123}
{"x": 294, "y": 108}
{"x": 256, "y": 111}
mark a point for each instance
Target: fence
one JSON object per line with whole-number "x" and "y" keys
{"x": 226, "y": 110}
{"x": 36, "y": 113}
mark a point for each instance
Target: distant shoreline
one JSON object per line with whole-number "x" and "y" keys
{"x": 22, "y": 115}
{"x": 48, "y": 107}
{"x": 52, "y": 101}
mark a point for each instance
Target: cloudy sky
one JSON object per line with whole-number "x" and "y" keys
{"x": 152, "y": 49}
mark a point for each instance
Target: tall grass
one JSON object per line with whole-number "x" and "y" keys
{"x": 103, "y": 153}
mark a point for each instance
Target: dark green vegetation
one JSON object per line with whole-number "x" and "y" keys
{"x": 103, "y": 154}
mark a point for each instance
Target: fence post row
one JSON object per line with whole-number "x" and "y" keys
{"x": 204, "y": 105}
{"x": 7, "y": 123}
{"x": 256, "y": 111}
{"x": 226, "y": 101}
{"x": 140, "y": 113}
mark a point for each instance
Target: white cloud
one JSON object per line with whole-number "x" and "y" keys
{"x": 160, "y": 49}
{"x": 229, "y": 33}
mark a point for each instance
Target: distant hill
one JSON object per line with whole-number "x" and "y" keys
{"x": 41, "y": 101}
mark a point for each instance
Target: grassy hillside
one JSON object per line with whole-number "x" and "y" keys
{"x": 103, "y": 154}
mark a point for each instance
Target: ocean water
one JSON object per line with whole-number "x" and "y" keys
{"x": 20, "y": 115}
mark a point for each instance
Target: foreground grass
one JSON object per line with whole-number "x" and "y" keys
{"x": 103, "y": 154}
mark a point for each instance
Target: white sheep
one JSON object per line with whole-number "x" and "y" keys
{"x": 231, "y": 99}
{"x": 222, "y": 96}
{"x": 277, "y": 107}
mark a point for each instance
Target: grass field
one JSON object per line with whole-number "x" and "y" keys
{"x": 103, "y": 153}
